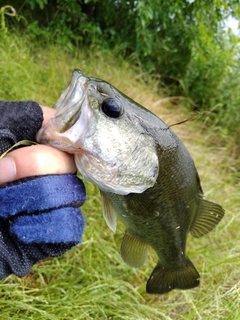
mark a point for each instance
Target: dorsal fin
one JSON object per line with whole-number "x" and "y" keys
{"x": 109, "y": 213}
{"x": 208, "y": 216}
{"x": 134, "y": 252}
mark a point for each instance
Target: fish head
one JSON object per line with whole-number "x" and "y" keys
{"x": 107, "y": 132}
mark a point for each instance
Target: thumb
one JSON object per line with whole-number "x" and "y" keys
{"x": 35, "y": 160}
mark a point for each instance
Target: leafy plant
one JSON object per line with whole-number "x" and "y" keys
{"x": 5, "y": 10}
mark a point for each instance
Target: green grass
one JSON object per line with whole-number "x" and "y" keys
{"x": 91, "y": 281}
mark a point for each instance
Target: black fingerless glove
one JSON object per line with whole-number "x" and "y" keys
{"x": 19, "y": 120}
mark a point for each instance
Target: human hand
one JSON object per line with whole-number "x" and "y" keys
{"x": 39, "y": 215}
{"x": 36, "y": 159}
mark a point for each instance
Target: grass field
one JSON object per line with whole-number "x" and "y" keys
{"x": 91, "y": 281}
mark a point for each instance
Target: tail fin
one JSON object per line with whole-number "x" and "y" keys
{"x": 163, "y": 280}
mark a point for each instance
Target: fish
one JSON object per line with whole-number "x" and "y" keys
{"x": 146, "y": 176}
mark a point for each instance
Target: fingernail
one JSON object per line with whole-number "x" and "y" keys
{"x": 7, "y": 170}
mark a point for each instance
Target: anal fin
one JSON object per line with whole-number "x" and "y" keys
{"x": 134, "y": 252}
{"x": 208, "y": 216}
{"x": 164, "y": 280}
{"x": 109, "y": 213}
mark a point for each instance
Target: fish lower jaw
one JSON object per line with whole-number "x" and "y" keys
{"x": 64, "y": 144}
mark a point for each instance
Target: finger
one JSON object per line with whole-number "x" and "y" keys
{"x": 35, "y": 160}
{"x": 47, "y": 114}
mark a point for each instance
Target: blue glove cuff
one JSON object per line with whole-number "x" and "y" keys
{"x": 41, "y": 193}
{"x": 57, "y": 226}
{"x": 44, "y": 209}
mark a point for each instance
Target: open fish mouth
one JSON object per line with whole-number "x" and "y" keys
{"x": 74, "y": 118}
{"x": 70, "y": 102}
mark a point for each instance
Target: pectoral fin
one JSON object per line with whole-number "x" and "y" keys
{"x": 109, "y": 214}
{"x": 134, "y": 252}
{"x": 208, "y": 216}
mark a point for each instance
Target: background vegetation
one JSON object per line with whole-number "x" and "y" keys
{"x": 183, "y": 43}
{"x": 91, "y": 281}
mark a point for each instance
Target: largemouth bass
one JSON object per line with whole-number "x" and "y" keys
{"x": 145, "y": 174}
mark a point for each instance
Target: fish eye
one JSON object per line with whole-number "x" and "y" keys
{"x": 111, "y": 108}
